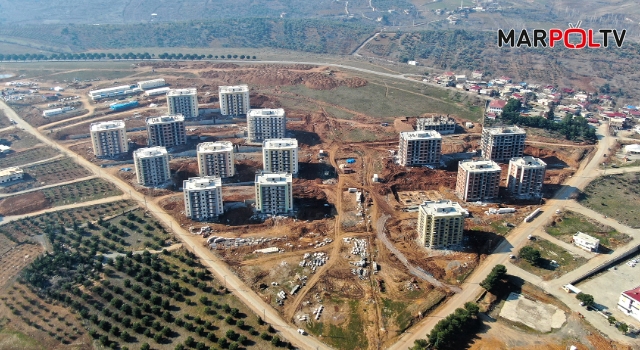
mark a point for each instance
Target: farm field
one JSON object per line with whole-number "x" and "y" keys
{"x": 566, "y": 261}
{"x": 18, "y": 140}
{"x": 565, "y": 225}
{"x": 617, "y": 196}
{"x": 47, "y": 174}
{"x": 27, "y": 156}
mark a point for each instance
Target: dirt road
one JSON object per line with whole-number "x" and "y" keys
{"x": 219, "y": 268}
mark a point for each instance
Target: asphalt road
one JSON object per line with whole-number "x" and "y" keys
{"x": 220, "y": 269}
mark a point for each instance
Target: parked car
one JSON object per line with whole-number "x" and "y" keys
{"x": 301, "y": 331}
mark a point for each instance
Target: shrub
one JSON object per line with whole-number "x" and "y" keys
{"x": 530, "y": 254}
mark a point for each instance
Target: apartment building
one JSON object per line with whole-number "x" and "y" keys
{"x": 274, "y": 193}
{"x": 166, "y": 131}
{"x": 502, "y": 143}
{"x": 265, "y": 123}
{"x": 526, "y": 177}
{"x": 183, "y": 102}
{"x": 440, "y": 123}
{"x": 234, "y": 100}
{"x": 203, "y": 198}
{"x": 478, "y": 180}
{"x": 216, "y": 159}
{"x": 280, "y": 156}
{"x": 629, "y": 303}
{"x": 109, "y": 139}
{"x": 440, "y": 224}
{"x": 152, "y": 166}
{"x": 419, "y": 148}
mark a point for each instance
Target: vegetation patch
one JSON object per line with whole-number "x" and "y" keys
{"x": 47, "y": 174}
{"x": 547, "y": 252}
{"x": 568, "y": 223}
{"x": 617, "y": 196}
{"x": 27, "y": 156}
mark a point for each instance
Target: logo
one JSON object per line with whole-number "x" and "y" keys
{"x": 573, "y": 37}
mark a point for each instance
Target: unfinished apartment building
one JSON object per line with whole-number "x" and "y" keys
{"x": 440, "y": 123}
{"x": 526, "y": 177}
{"x": 152, "y": 166}
{"x": 280, "y": 156}
{"x": 419, "y": 148}
{"x": 478, "y": 180}
{"x": 440, "y": 224}
{"x": 166, "y": 131}
{"x": 500, "y": 144}
{"x": 216, "y": 159}
{"x": 274, "y": 193}
{"x": 109, "y": 139}
{"x": 203, "y": 198}
{"x": 234, "y": 100}
{"x": 266, "y": 123}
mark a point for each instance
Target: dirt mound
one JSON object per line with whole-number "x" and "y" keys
{"x": 264, "y": 101}
{"x": 283, "y": 66}
{"x": 225, "y": 66}
{"x": 24, "y": 204}
{"x": 355, "y": 82}
{"x": 566, "y": 156}
{"x": 413, "y": 179}
{"x": 308, "y": 189}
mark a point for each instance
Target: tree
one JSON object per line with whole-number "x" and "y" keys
{"x": 493, "y": 277}
{"x": 586, "y": 299}
{"x": 223, "y": 342}
{"x": 145, "y": 346}
{"x": 275, "y": 341}
{"x": 530, "y": 254}
{"x": 189, "y": 341}
{"x": 623, "y": 327}
{"x": 612, "y": 320}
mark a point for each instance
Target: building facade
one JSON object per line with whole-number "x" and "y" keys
{"x": 152, "y": 166}
{"x": 478, "y": 180}
{"x": 183, "y": 102}
{"x": 11, "y": 174}
{"x": 116, "y": 91}
{"x": 586, "y": 242}
{"x": 234, "y": 100}
{"x": 216, "y": 159}
{"x": 419, "y": 148}
{"x": 526, "y": 177}
{"x": 203, "y": 198}
{"x": 109, "y": 139}
{"x": 280, "y": 156}
{"x": 502, "y": 143}
{"x": 629, "y": 303}
{"x": 440, "y": 123}
{"x": 166, "y": 131}
{"x": 274, "y": 193}
{"x": 265, "y": 123}
{"x": 440, "y": 224}
{"x": 151, "y": 84}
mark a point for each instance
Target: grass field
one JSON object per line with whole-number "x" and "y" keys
{"x": 26, "y": 157}
{"x": 83, "y": 191}
{"x": 617, "y": 196}
{"x": 568, "y": 223}
{"x": 349, "y": 335}
{"x": 47, "y": 174}
{"x": 566, "y": 262}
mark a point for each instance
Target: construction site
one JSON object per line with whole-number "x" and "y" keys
{"x": 344, "y": 266}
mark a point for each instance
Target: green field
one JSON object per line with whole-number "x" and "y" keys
{"x": 617, "y": 196}
{"x": 567, "y": 224}
{"x": 549, "y": 251}
{"x": 83, "y": 191}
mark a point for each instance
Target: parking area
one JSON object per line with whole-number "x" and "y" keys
{"x": 607, "y": 286}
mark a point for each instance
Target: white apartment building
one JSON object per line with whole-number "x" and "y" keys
{"x": 216, "y": 159}
{"x": 419, "y": 148}
{"x": 183, "y": 101}
{"x": 167, "y": 131}
{"x": 265, "y": 123}
{"x": 234, "y": 100}
{"x": 440, "y": 123}
{"x": 629, "y": 303}
{"x": 203, "y": 198}
{"x": 109, "y": 139}
{"x": 440, "y": 224}
{"x": 586, "y": 242}
{"x": 502, "y": 143}
{"x": 526, "y": 177}
{"x": 152, "y": 166}
{"x": 280, "y": 156}
{"x": 478, "y": 180}
{"x": 11, "y": 174}
{"x": 274, "y": 193}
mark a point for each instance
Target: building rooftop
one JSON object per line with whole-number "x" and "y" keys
{"x": 528, "y": 162}
{"x": 273, "y": 178}
{"x": 149, "y": 152}
{"x": 633, "y": 294}
{"x": 215, "y": 146}
{"x": 234, "y": 88}
{"x": 437, "y": 120}
{"x": 103, "y": 126}
{"x": 479, "y": 165}
{"x": 266, "y": 112}
{"x": 181, "y": 92}
{"x": 280, "y": 143}
{"x": 585, "y": 237}
{"x": 442, "y": 208}
{"x": 502, "y": 130}
{"x": 165, "y": 119}
{"x": 202, "y": 183}
{"x": 11, "y": 171}
{"x": 497, "y": 104}
{"x": 113, "y": 88}
{"x": 158, "y": 80}
{"x": 420, "y": 135}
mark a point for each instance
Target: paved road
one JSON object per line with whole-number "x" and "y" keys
{"x": 5, "y": 195}
{"x": 471, "y": 289}
{"x": 220, "y": 270}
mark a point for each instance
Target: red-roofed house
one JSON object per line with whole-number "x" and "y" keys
{"x": 629, "y": 303}
{"x": 496, "y": 106}
{"x": 475, "y": 88}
